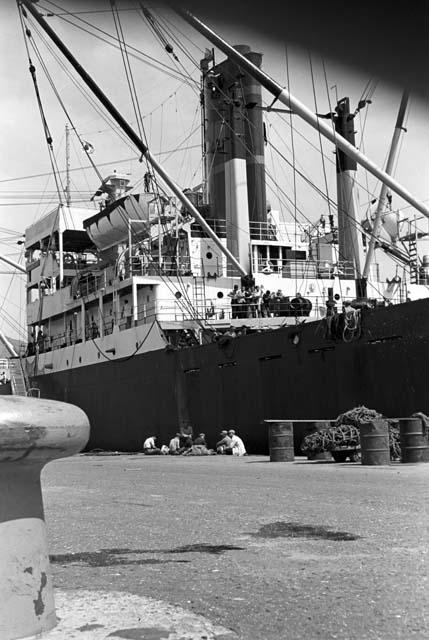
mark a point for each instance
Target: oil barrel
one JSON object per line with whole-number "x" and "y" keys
{"x": 413, "y": 440}
{"x": 281, "y": 441}
{"x": 374, "y": 442}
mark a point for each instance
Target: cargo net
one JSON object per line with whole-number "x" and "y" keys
{"x": 345, "y": 434}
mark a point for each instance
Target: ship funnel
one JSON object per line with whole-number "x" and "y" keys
{"x": 234, "y": 129}
{"x": 234, "y": 149}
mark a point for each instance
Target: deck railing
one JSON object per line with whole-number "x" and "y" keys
{"x": 177, "y": 310}
{"x": 318, "y": 269}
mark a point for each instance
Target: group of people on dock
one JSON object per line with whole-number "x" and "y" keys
{"x": 183, "y": 443}
{"x": 255, "y": 302}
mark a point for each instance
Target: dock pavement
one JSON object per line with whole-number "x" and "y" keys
{"x": 237, "y": 548}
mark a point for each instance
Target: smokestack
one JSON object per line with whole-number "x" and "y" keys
{"x": 226, "y": 84}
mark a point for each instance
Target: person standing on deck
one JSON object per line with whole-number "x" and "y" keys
{"x": 234, "y": 301}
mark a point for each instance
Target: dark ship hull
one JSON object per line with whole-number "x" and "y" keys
{"x": 289, "y": 373}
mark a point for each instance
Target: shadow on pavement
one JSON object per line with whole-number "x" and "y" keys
{"x": 299, "y": 530}
{"x": 112, "y": 557}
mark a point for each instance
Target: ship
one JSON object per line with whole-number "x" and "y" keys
{"x": 151, "y": 312}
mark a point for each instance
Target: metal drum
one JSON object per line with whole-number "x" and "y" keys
{"x": 281, "y": 441}
{"x": 374, "y": 442}
{"x": 414, "y": 443}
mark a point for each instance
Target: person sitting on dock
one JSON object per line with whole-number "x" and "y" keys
{"x": 186, "y": 437}
{"x": 150, "y": 448}
{"x": 199, "y": 447}
{"x": 174, "y": 445}
{"x": 200, "y": 440}
{"x": 237, "y": 444}
{"x": 224, "y": 444}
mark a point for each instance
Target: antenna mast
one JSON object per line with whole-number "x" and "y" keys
{"x": 68, "y": 197}
{"x": 399, "y": 128}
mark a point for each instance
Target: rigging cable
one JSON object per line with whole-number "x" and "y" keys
{"x": 84, "y": 93}
{"x": 319, "y": 134}
{"x": 49, "y": 141}
{"x": 127, "y": 67}
{"x": 138, "y": 116}
{"x": 67, "y": 114}
{"x": 158, "y": 32}
{"x": 153, "y": 62}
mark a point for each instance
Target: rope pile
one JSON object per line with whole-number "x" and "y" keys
{"x": 345, "y": 433}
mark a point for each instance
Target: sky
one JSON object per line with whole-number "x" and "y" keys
{"x": 171, "y": 117}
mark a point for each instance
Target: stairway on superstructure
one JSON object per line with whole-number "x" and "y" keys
{"x": 18, "y": 379}
{"x": 412, "y": 252}
{"x": 200, "y": 295}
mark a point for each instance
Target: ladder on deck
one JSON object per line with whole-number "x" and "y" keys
{"x": 200, "y": 296}
{"x": 18, "y": 377}
{"x": 413, "y": 256}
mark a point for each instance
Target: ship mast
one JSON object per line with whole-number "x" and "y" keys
{"x": 132, "y": 135}
{"x": 348, "y": 227}
{"x": 399, "y": 128}
{"x": 284, "y": 96}
{"x": 204, "y": 67}
{"x": 68, "y": 197}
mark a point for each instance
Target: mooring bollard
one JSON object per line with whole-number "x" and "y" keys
{"x": 374, "y": 442}
{"x": 413, "y": 440}
{"x": 281, "y": 440}
{"x": 32, "y": 433}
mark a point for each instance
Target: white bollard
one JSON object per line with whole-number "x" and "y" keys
{"x": 32, "y": 433}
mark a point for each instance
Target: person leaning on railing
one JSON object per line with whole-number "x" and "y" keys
{"x": 234, "y": 301}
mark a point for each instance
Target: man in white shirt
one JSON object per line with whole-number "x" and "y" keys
{"x": 174, "y": 445}
{"x": 149, "y": 446}
{"x": 237, "y": 444}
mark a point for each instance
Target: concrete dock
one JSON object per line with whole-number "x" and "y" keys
{"x": 221, "y": 547}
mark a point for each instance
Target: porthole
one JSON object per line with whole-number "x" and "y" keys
{"x": 178, "y": 295}
{"x": 209, "y": 255}
{"x": 220, "y": 294}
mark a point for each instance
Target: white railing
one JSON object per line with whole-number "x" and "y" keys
{"x": 287, "y": 268}
{"x": 217, "y": 225}
{"x": 173, "y": 310}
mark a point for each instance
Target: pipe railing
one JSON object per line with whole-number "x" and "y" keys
{"x": 171, "y": 310}
{"x": 292, "y": 268}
